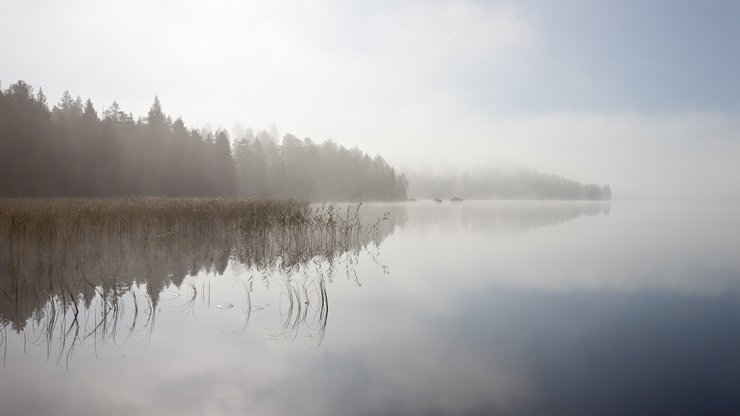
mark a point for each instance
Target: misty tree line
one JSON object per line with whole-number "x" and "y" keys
{"x": 500, "y": 184}
{"x": 303, "y": 169}
{"x": 71, "y": 150}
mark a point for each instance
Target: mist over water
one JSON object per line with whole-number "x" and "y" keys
{"x": 416, "y": 208}
{"x": 473, "y": 308}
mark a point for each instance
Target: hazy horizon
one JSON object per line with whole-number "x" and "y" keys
{"x": 422, "y": 207}
{"x": 642, "y": 96}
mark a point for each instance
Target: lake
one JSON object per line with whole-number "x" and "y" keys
{"x": 472, "y": 308}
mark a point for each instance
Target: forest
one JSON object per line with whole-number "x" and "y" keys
{"x": 70, "y": 150}
{"x": 517, "y": 183}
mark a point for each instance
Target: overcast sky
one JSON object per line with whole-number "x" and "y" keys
{"x": 644, "y": 95}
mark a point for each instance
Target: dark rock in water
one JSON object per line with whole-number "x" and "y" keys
{"x": 411, "y": 200}
{"x": 456, "y": 199}
{"x": 437, "y": 200}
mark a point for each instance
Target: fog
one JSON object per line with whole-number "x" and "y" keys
{"x": 643, "y": 97}
{"x": 418, "y": 207}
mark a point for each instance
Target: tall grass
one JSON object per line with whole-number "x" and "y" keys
{"x": 65, "y": 265}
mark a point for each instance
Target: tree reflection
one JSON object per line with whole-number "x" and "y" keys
{"x": 72, "y": 280}
{"x": 73, "y": 277}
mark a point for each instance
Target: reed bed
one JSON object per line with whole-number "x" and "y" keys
{"x": 61, "y": 260}
{"x": 18, "y": 215}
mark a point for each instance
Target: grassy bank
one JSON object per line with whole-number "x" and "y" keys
{"x": 41, "y": 214}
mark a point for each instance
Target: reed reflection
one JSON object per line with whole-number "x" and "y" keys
{"x": 74, "y": 273}
{"x": 78, "y": 272}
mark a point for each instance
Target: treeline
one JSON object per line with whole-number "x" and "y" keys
{"x": 504, "y": 184}
{"x": 303, "y": 169}
{"x": 72, "y": 150}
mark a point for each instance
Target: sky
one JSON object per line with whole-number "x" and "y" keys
{"x": 641, "y": 94}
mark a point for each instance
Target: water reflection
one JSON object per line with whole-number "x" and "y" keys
{"x": 72, "y": 282}
{"x": 65, "y": 281}
{"x": 487, "y": 216}
{"x": 491, "y": 308}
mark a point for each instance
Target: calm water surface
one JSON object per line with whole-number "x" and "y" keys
{"x": 511, "y": 308}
